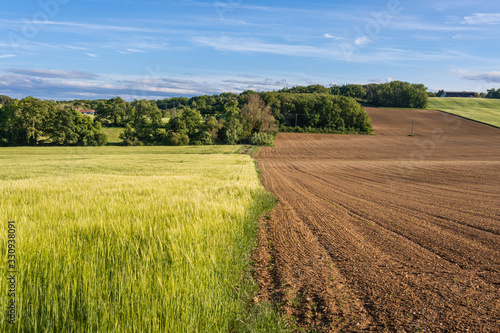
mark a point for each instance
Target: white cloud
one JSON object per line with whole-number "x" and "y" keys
{"x": 92, "y": 55}
{"x": 259, "y": 84}
{"x": 482, "y": 18}
{"x": 413, "y": 23}
{"x": 330, "y": 36}
{"x": 251, "y": 45}
{"x": 388, "y": 80}
{"x": 61, "y": 85}
{"x": 345, "y": 52}
{"x": 50, "y": 73}
{"x": 492, "y": 76}
{"x": 135, "y": 51}
{"x": 362, "y": 40}
{"x": 7, "y": 55}
{"x": 91, "y": 26}
{"x": 79, "y": 48}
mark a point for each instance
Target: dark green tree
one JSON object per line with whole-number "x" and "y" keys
{"x": 112, "y": 112}
{"x": 32, "y": 121}
{"x": 5, "y": 100}
{"x": 146, "y": 120}
{"x": 353, "y": 90}
{"x": 492, "y": 93}
{"x": 192, "y": 120}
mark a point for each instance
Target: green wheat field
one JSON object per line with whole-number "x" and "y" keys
{"x": 484, "y": 110}
{"x": 132, "y": 239}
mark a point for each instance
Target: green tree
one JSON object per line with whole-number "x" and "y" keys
{"x": 192, "y": 120}
{"x": 5, "y": 100}
{"x": 210, "y": 130}
{"x": 492, "y": 93}
{"x": 335, "y": 90}
{"x": 145, "y": 119}
{"x": 31, "y": 116}
{"x": 232, "y": 129}
{"x": 352, "y": 90}
{"x": 10, "y": 131}
{"x": 398, "y": 94}
{"x": 112, "y": 112}
{"x": 257, "y": 117}
{"x": 32, "y": 121}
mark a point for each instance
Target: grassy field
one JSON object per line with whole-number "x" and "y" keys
{"x": 132, "y": 239}
{"x": 113, "y": 134}
{"x": 479, "y": 109}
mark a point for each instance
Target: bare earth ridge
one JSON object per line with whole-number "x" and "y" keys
{"x": 387, "y": 232}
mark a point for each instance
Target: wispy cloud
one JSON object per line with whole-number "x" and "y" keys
{"x": 449, "y": 5}
{"x": 261, "y": 83}
{"x": 332, "y": 52}
{"x": 362, "y": 40}
{"x": 49, "y": 73}
{"x": 387, "y": 80}
{"x": 7, "y": 55}
{"x": 480, "y": 18}
{"x": 330, "y": 36}
{"x": 70, "y": 85}
{"x": 79, "y": 26}
{"x": 409, "y": 22}
{"x": 228, "y": 7}
{"x": 493, "y": 76}
{"x": 21, "y": 85}
{"x": 252, "y": 45}
{"x": 79, "y": 48}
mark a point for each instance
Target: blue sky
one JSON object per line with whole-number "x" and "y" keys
{"x": 72, "y": 49}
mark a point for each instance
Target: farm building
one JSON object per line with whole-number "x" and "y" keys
{"x": 459, "y": 94}
{"x": 83, "y": 111}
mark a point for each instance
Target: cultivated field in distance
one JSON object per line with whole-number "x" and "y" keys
{"x": 129, "y": 239}
{"x": 486, "y": 110}
{"x": 386, "y": 233}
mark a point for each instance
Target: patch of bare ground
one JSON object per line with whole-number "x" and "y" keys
{"x": 385, "y": 233}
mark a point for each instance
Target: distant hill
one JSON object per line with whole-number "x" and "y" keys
{"x": 484, "y": 110}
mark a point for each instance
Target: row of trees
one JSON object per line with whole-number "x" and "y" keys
{"x": 392, "y": 94}
{"x": 397, "y": 94}
{"x": 319, "y": 111}
{"x": 229, "y": 118}
{"x": 492, "y": 93}
{"x": 32, "y": 121}
{"x": 253, "y": 123}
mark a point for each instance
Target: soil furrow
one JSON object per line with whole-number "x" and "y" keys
{"x": 385, "y": 233}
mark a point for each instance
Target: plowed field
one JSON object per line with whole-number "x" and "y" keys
{"x": 388, "y": 232}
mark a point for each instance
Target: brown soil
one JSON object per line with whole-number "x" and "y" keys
{"x": 385, "y": 233}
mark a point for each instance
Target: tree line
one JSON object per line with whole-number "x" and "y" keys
{"x": 253, "y": 123}
{"x": 492, "y": 93}
{"x": 391, "y": 94}
{"x": 227, "y": 118}
{"x": 32, "y": 121}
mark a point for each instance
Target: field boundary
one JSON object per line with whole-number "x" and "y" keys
{"x": 261, "y": 306}
{"x": 457, "y": 115}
